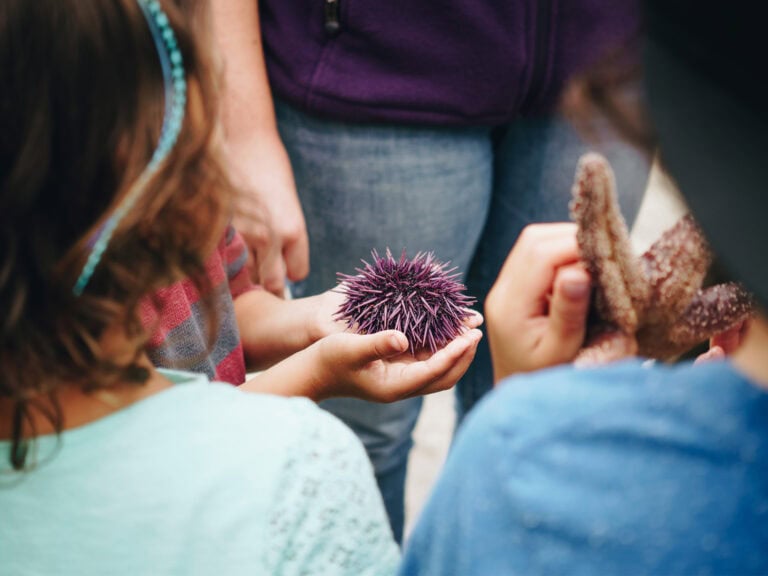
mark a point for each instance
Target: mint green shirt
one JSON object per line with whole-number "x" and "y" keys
{"x": 198, "y": 479}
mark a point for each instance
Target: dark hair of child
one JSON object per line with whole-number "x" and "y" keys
{"x": 81, "y": 106}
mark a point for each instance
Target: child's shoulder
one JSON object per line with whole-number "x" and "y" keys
{"x": 261, "y": 423}
{"x": 226, "y": 404}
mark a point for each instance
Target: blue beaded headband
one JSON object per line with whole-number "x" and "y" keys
{"x": 175, "y": 102}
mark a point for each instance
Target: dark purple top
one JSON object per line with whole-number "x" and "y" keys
{"x": 450, "y": 62}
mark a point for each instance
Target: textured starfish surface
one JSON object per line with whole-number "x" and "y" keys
{"x": 657, "y": 297}
{"x": 420, "y": 297}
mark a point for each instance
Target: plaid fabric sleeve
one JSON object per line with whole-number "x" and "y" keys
{"x": 234, "y": 254}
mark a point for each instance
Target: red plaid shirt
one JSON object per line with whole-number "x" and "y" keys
{"x": 178, "y": 338}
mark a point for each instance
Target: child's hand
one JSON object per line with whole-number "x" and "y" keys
{"x": 323, "y": 308}
{"x": 724, "y": 344}
{"x": 537, "y": 309}
{"x": 378, "y": 366}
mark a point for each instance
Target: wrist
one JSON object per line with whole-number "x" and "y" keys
{"x": 254, "y": 141}
{"x": 313, "y": 322}
{"x": 321, "y": 374}
{"x": 300, "y": 375}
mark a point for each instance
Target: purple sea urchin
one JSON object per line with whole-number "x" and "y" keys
{"x": 419, "y": 297}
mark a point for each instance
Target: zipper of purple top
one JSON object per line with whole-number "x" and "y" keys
{"x": 331, "y": 12}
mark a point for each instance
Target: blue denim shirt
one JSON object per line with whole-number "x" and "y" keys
{"x": 621, "y": 470}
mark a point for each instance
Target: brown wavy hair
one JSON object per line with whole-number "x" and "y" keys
{"x": 81, "y": 106}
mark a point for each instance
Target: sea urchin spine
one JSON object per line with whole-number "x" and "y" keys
{"x": 419, "y": 297}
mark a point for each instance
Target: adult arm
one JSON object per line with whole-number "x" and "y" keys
{"x": 269, "y": 213}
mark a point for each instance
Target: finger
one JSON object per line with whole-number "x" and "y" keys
{"x": 296, "y": 257}
{"x": 566, "y": 325}
{"x": 530, "y": 269}
{"x": 252, "y": 266}
{"x": 262, "y": 254}
{"x": 380, "y": 346}
{"x": 534, "y": 235}
{"x": 474, "y": 320}
{"x": 446, "y": 371}
{"x": 537, "y": 232}
{"x": 255, "y": 228}
{"x": 424, "y": 372}
{"x": 272, "y": 276}
{"x": 729, "y": 340}
{"x": 545, "y": 261}
{"x": 714, "y": 353}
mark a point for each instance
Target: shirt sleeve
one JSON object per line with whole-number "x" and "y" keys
{"x": 538, "y": 480}
{"x": 328, "y": 516}
{"x": 617, "y": 470}
{"x": 234, "y": 255}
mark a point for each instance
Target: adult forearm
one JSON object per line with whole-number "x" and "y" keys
{"x": 255, "y": 154}
{"x": 247, "y": 108}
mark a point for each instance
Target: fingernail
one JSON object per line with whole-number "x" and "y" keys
{"x": 397, "y": 342}
{"x": 576, "y": 289}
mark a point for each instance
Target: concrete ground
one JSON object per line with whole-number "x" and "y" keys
{"x": 660, "y": 209}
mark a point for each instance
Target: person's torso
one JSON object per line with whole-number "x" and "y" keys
{"x": 197, "y": 479}
{"x": 155, "y": 488}
{"x": 622, "y": 469}
{"x": 435, "y": 62}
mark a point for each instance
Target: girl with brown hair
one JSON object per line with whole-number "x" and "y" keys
{"x": 110, "y": 190}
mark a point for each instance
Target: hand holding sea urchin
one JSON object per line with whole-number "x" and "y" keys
{"x": 418, "y": 297}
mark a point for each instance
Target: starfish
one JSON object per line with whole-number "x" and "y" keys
{"x": 656, "y": 299}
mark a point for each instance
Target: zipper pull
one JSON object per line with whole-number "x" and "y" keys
{"x": 332, "y": 24}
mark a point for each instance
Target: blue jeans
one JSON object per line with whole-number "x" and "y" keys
{"x": 463, "y": 193}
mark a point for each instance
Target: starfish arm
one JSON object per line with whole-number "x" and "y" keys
{"x": 713, "y": 310}
{"x": 675, "y": 266}
{"x": 621, "y": 290}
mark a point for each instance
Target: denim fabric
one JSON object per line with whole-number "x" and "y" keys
{"x": 366, "y": 187}
{"x": 622, "y": 470}
{"x": 458, "y": 192}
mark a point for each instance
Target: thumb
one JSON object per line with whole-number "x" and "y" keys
{"x": 568, "y": 313}
{"x": 272, "y": 276}
{"x": 381, "y": 345}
